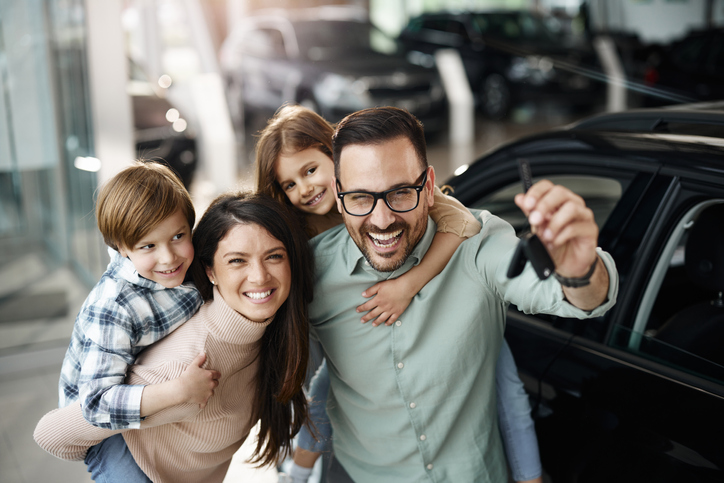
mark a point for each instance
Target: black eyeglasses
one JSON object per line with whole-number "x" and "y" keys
{"x": 399, "y": 200}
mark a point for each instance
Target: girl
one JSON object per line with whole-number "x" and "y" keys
{"x": 294, "y": 165}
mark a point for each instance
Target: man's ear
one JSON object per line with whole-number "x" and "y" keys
{"x": 430, "y": 186}
{"x": 122, "y": 251}
{"x": 340, "y": 208}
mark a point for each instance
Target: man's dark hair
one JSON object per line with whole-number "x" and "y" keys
{"x": 375, "y": 126}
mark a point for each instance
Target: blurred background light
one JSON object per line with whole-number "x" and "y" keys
{"x": 87, "y": 163}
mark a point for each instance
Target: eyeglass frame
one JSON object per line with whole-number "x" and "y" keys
{"x": 377, "y": 195}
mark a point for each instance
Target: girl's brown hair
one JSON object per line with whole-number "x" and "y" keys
{"x": 280, "y": 404}
{"x": 291, "y": 130}
{"x": 137, "y": 199}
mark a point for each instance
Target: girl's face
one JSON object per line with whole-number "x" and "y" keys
{"x": 252, "y": 272}
{"x": 306, "y": 178}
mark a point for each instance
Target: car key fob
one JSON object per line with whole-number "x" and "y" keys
{"x": 538, "y": 255}
{"x": 517, "y": 264}
{"x": 529, "y": 246}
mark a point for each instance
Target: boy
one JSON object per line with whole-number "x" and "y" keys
{"x": 145, "y": 215}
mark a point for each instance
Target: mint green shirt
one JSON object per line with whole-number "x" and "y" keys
{"x": 416, "y": 401}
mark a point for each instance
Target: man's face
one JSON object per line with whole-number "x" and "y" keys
{"x": 386, "y": 238}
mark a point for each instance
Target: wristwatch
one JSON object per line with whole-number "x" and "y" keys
{"x": 577, "y": 282}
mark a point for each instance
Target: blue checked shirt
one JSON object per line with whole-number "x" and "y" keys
{"x": 123, "y": 314}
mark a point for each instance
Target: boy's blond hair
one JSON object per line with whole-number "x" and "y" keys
{"x": 137, "y": 199}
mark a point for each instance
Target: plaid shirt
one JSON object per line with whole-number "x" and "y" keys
{"x": 123, "y": 314}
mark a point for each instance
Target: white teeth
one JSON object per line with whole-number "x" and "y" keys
{"x": 169, "y": 271}
{"x": 258, "y": 295}
{"x": 315, "y": 199}
{"x": 383, "y": 239}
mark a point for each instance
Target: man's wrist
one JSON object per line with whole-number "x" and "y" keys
{"x": 577, "y": 282}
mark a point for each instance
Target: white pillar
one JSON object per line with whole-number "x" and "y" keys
{"x": 107, "y": 75}
{"x": 616, "y": 85}
{"x": 462, "y": 108}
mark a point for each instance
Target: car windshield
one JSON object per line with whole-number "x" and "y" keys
{"x": 515, "y": 26}
{"x": 323, "y": 39}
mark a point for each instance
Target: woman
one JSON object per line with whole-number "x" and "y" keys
{"x": 253, "y": 269}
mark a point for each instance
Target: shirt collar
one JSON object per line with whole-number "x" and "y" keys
{"x": 124, "y": 269}
{"x": 354, "y": 257}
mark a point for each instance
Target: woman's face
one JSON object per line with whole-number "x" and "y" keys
{"x": 306, "y": 178}
{"x": 252, "y": 272}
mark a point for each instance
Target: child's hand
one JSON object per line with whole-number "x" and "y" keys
{"x": 198, "y": 384}
{"x": 390, "y": 300}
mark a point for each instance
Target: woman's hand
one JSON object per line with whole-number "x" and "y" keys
{"x": 389, "y": 300}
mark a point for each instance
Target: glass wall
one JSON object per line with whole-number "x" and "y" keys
{"x": 46, "y": 204}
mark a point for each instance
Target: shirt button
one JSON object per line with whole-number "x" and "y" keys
{"x": 398, "y": 323}
{"x": 429, "y": 467}
{"x": 413, "y": 405}
{"x": 400, "y": 365}
{"x": 423, "y": 437}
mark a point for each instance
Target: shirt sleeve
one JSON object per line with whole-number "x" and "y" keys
{"x": 109, "y": 351}
{"x": 526, "y": 291}
{"x": 451, "y": 216}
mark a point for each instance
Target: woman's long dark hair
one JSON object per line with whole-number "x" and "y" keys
{"x": 280, "y": 404}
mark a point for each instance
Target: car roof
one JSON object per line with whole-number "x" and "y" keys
{"x": 681, "y": 119}
{"x": 686, "y": 139}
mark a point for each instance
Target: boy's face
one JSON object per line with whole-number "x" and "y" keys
{"x": 165, "y": 253}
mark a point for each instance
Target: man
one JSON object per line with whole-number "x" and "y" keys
{"x": 416, "y": 402}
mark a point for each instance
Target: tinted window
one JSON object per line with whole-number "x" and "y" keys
{"x": 517, "y": 26}
{"x": 681, "y": 317}
{"x": 267, "y": 43}
{"x": 688, "y": 54}
{"x": 601, "y": 195}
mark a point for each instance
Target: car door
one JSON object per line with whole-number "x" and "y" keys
{"x": 605, "y": 412}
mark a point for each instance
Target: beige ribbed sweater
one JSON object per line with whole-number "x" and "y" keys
{"x": 183, "y": 443}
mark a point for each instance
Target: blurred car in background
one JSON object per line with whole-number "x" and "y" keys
{"x": 638, "y": 394}
{"x": 687, "y": 70}
{"x": 330, "y": 59}
{"x": 161, "y": 132}
{"x": 511, "y": 57}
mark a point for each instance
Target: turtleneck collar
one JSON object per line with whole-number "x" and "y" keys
{"x": 229, "y": 325}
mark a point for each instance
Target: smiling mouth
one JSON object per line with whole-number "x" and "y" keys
{"x": 259, "y": 295}
{"x": 316, "y": 199}
{"x": 170, "y": 272}
{"x": 385, "y": 240}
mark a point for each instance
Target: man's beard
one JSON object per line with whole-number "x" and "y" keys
{"x": 411, "y": 235}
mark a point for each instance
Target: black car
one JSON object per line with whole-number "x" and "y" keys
{"x": 638, "y": 394}
{"x": 331, "y": 59}
{"x": 690, "y": 69}
{"x": 511, "y": 57}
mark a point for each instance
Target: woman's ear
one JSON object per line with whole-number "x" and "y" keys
{"x": 210, "y": 274}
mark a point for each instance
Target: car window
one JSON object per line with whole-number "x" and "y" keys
{"x": 680, "y": 321}
{"x": 688, "y": 54}
{"x": 715, "y": 61}
{"x": 437, "y": 31}
{"x": 265, "y": 42}
{"x": 601, "y": 194}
